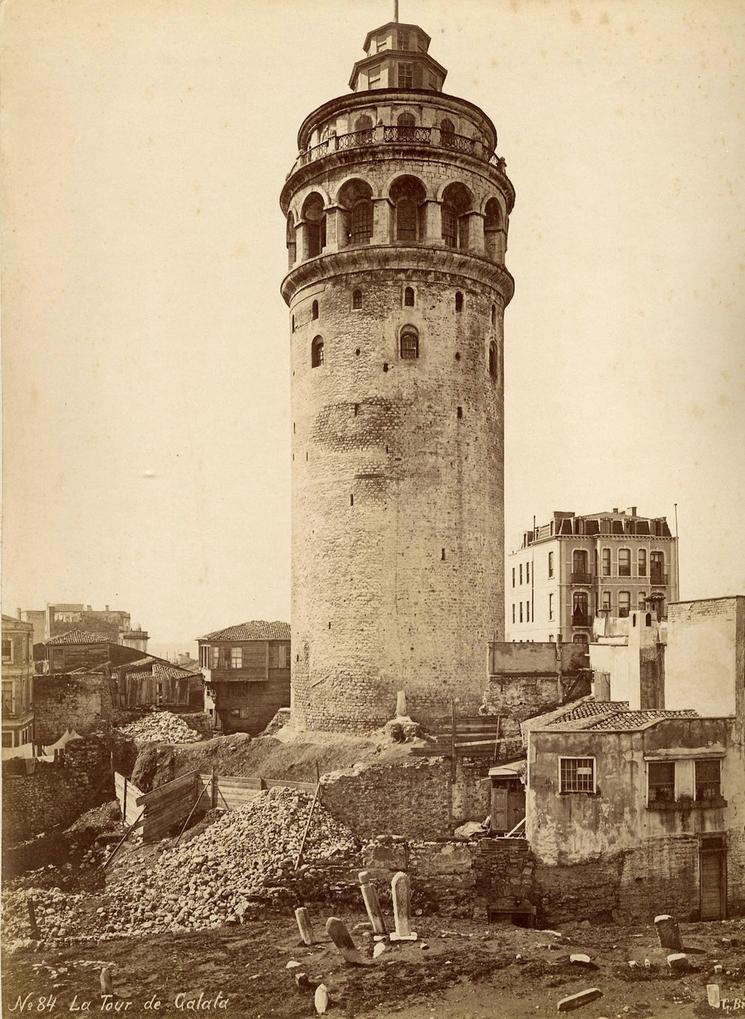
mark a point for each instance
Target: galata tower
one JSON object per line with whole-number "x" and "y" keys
{"x": 397, "y": 211}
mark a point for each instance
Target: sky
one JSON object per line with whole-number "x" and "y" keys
{"x": 146, "y": 346}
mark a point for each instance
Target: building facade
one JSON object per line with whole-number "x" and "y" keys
{"x": 18, "y": 683}
{"x": 575, "y": 567}
{"x": 63, "y": 617}
{"x": 246, "y": 671}
{"x": 396, "y": 213}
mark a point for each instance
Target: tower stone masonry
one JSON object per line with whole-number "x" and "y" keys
{"x": 397, "y": 214}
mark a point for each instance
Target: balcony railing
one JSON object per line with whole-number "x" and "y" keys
{"x": 402, "y": 135}
{"x": 581, "y": 577}
{"x": 581, "y": 619}
{"x": 658, "y": 577}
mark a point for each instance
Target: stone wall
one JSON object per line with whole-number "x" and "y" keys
{"x": 408, "y": 799}
{"x": 70, "y": 702}
{"x": 55, "y": 794}
{"x": 455, "y": 878}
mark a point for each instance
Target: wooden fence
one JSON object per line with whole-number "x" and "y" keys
{"x": 166, "y": 808}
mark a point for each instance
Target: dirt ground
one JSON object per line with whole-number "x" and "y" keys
{"x": 467, "y": 970}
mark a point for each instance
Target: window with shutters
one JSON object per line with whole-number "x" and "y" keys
{"x": 708, "y": 780}
{"x": 661, "y": 782}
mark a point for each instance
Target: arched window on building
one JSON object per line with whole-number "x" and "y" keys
{"x": 315, "y": 224}
{"x": 314, "y": 310}
{"x": 641, "y": 562}
{"x": 456, "y": 204}
{"x": 409, "y": 297}
{"x": 447, "y": 133}
{"x": 356, "y": 209}
{"x": 624, "y": 562}
{"x": 493, "y": 230}
{"x": 408, "y": 196}
{"x": 356, "y": 299}
{"x": 493, "y": 315}
{"x": 624, "y": 603}
{"x": 406, "y": 127}
{"x": 580, "y": 609}
{"x": 580, "y": 638}
{"x": 316, "y": 352}
{"x": 493, "y": 359}
{"x": 409, "y": 344}
{"x": 363, "y": 130}
{"x": 458, "y": 301}
{"x": 291, "y": 242}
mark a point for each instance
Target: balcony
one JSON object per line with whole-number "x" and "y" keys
{"x": 658, "y": 578}
{"x": 581, "y": 577}
{"x": 581, "y": 619}
{"x": 401, "y": 135}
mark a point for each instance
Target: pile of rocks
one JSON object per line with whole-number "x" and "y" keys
{"x": 239, "y": 865}
{"x": 160, "y": 727}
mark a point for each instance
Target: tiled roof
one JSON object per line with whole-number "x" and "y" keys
{"x": 619, "y": 721}
{"x": 627, "y": 720}
{"x": 81, "y": 637}
{"x": 591, "y": 709}
{"x": 256, "y": 629}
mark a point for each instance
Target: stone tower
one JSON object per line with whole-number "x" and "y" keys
{"x": 397, "y": 211}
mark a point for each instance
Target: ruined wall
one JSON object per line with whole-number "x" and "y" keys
{"x": 70, "y": 702}
{"x": 55, "y": 794}
{"x": 411, "y": 800}
{"x": 520, "y": 697}
{"x": 455, "y": 878}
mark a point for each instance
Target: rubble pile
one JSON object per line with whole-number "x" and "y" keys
{"x": 242, "y": 863}
{"x": 160, "y": 727}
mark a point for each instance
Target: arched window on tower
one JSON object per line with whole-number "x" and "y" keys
{"x": 314, "y": 310}
{"x": 458, "y": 301}
{"x": 493, "y": 231}
{"x": 291, "y": 243}
{"x": 456, "y": 204}
{"x": 316, "y": 352}
{"x": 408, "y": 196}
{"x": 356, "y": 299}
{"x": 409, "y": 344}
{"x": 493, "y": 359}
{"x": 355, "y": 203}
{"x": 409, "y": 297}
{"x": 363, "y": 130}
{"x": 315, "y": 224}
{"x": 494, "y": 315}
{"x": 406, "y": 127}
{"x": 447, "y": 133}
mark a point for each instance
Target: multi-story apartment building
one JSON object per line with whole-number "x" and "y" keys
{"x": 574, "y": 567}
{"x": 18, "y": 669}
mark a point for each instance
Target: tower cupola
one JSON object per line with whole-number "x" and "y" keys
{"x": 396, "y": 56}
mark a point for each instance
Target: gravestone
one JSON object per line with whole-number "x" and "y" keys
{"x": 303, "y": 923}
{"x": 341, "y": 937}
{"x": 668, "y": 932}
{"x": 401, "y": 892}
{"x": 372, "y": 904}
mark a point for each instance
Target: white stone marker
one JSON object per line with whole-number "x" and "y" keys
{"x": 303, "y": 923}
{"x": 372, "y": 903}
{"x": 401, "y": 704}
{"x": 107, "y": 982}
{"x": 401, "y": 890}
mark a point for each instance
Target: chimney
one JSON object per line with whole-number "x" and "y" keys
{"x": 20, "y": 613}
{"x": 107, "y": 608}
{"x": 631, "y": 511}
{"x": 615, "y": 509}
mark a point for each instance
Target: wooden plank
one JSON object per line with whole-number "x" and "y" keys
{"x": 154, "y": 827}
{"x": 177, "y": 785}
{"x": 272, "y": 783}
{"x": 234, "y": 781}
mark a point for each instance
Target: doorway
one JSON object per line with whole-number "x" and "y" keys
{"x": 713, "y": 877}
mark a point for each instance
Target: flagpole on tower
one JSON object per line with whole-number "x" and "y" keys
{"x": 395, "y": 11}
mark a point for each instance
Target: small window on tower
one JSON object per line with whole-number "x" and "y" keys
{"x": 409, "y": 297}
{"x": 356, "y": 299}
{"x": 314, "y": 310}
{"x": 458, "y": 301}
{"x": 405, "y": 75}
{"x": 316, "y": 352}
{"x": 494, "y": 314}
{"x": 373, "y": 77}
{"x": 409, "y": 343}
{"x": 493, "y": 359}
{"x": 403, "y": 41}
